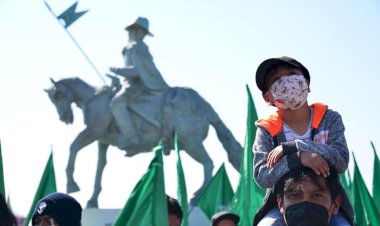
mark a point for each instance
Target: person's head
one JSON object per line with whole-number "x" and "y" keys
{"x": 174, "y": 211}
{"x": 138, "y": 29}
{"x": 284, "y": 82}
{"x": 57, "y": 209}
{"x": 224, "y": 218}
{"x": 6, "y": 216}
{"x": 305, "y": 198}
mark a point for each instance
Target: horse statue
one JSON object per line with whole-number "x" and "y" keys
{"x": 183, "y": 111}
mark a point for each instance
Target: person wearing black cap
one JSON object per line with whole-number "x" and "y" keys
{"x": 143, "y": 82}
{"x": 296, "y": 134}
{"x": 57, "y": 209}
{"x": 224, "y": 218}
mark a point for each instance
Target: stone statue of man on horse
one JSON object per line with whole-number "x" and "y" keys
{"x": 144, "y": 84}
{"x": 135, "y": 117}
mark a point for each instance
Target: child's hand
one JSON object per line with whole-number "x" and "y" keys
{"x": 274, "y": 156}
{"x": 316, "y": 162}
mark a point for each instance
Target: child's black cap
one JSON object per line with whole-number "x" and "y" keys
{"x": 263, "y": 69}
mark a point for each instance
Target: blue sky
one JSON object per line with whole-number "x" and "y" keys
{"x": 211, "y": 46}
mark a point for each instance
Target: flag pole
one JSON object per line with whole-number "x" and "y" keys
{"x": 76, "y": 43}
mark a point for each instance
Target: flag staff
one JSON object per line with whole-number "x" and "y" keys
{"x": 75, "y": 42}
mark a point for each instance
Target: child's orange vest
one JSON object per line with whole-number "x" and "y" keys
{"x": 273, "y": 124}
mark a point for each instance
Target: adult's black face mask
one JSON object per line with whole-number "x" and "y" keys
{"x": 306, "y": 214}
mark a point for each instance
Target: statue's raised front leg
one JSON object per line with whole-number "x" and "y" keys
{"x": 83, "y": 139}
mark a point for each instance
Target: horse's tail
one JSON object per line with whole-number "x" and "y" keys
{"x": 230, "y": 144}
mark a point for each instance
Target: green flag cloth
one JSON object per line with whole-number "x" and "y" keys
{"x": 47, "y": 185}
{"x": 2, "y": 184}
{"x": 181, "y": 189}
{"x": 376, "y": 179}
{"x": 217, "y": 195}
{"x": 364, "y": 206}
{"x": 147, "y": 204}
{"x": 249, "y": 195}
{"x": 70, "y": 16}
{"x": 345, "y": 180}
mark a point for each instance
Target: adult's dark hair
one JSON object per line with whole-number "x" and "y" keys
{"x": 6, "y": 216}
{"x": 332, "y": 183}
{"x": 173, "y": 207}
{"x": 291, "y": 183}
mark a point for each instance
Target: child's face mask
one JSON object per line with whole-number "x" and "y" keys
{"x": 290, "y": 92}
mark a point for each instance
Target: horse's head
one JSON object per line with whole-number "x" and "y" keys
{"x": 62, "y": 97}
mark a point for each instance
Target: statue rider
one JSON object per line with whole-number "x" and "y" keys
{"x": 142, "y": 78}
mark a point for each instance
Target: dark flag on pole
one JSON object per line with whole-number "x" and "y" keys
{"x": 70, "y": 16}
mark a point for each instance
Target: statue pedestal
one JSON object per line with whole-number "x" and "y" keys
{"x": 106, "y": 217}
{"x": 99, "y": 217}
{"x": 198, "y": 218}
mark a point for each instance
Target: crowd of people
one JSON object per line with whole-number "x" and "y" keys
{"x": 302, "y": 197}
{"x": 60, "y": 209}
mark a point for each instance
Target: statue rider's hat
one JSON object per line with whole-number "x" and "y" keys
{"x": 141, "y": 22}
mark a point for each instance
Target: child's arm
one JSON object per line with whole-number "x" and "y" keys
{"x": 308, "y": 159}
{"x": 266, "y": 177}
{"x": 335, "y": 150}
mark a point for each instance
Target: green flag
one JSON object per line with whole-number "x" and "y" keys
{"x": 181, "y": 189}
{"x": 364, "y": 206}
{"x": 147, "y": 204}
{"x": 47, "y": 185}
{"x": 248, "y": 196}
{"x": 217, "y": 195}
{"x": 345, "y": 180}
{"x": 2, "y": 184}
{"x": 376, "y": 179}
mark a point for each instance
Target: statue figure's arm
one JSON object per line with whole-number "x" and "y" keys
{"x": 127, "y": 72}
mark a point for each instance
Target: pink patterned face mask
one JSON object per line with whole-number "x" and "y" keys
{"x": 290, "y": 92}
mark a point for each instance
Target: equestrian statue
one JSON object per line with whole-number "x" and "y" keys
{"x": 139, "y": 114}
